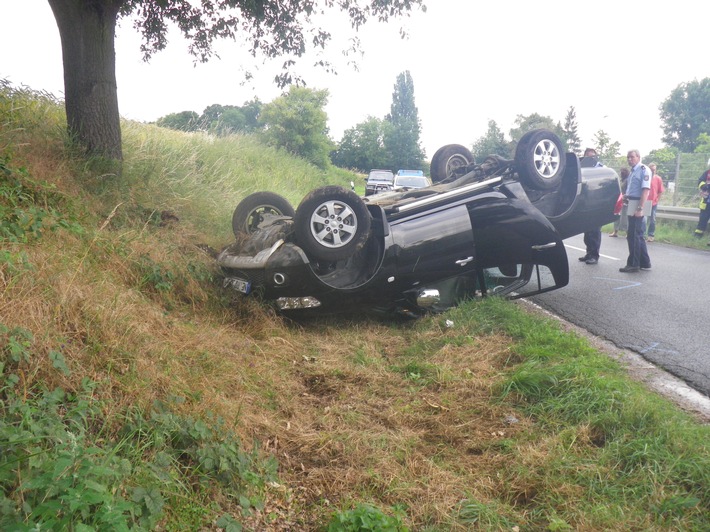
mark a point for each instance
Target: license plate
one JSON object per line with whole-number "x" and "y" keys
{"x": 240, "y": 285}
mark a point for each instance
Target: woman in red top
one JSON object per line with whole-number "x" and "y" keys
{"x": 654, "y": 195}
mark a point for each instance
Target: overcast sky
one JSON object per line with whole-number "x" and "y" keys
{"x": 471, "y": 61}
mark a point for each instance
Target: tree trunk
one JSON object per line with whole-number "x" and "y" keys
{"x": 87, "y": 30}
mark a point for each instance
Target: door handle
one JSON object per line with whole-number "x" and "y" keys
{"x": 463, "y": 262}
{"x": 544, "y": 246}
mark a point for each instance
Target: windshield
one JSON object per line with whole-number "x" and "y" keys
{"x": 411, "y": 181}
{"x": 380, "y": 176}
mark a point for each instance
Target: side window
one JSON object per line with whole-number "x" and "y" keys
{"x": 519, "y": 280}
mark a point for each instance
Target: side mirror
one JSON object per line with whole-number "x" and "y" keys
{"x": 427, "y": 298}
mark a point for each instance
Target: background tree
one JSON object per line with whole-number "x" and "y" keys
{"x": 402, "y": 138}
{"x": 212, "y": 114}
{"x": 570, "y": 133}
{"x": 87, "y": 31}
{"x": 227, "y": 119}
{"x": 493, "y": 142}
{"x": 523, "y": 124}
{"x": 606, "y": 148}
{"x": 182, "y": 121}
{"x": 703, "y": 143}
{"x": 232, "y": 120}
{"x": 297, "y": 122}
{"x": 686, "y": 114}
{"x": 665, "y": 159}
{"x": 362, "y": 147}
{"x": 251, "y": 111}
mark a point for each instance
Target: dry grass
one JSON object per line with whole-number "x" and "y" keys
{"x": 322, "y": 397}
{"x": 349, "y": 431}
{"x": 346, "y": 431}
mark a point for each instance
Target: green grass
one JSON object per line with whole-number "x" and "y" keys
{"x": 676, "y": 232}
{"x": 612, "y": 440}
{"x": 680, "y": 234}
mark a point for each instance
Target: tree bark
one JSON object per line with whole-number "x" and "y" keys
{"x": 87, "y": 30}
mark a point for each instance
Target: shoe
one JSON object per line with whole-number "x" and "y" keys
{"x": 646, "y": 268}
{"x": 649, "y": 239}
{"x": 583, "y": 259}
{"x": 629, "y": 269}
{"x": 614, "y": 235}
{"x": 591, "y": 260}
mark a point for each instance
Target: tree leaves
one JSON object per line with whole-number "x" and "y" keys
{"x": 686, "y": 114}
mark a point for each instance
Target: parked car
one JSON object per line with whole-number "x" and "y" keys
{"x": 379, "y": 181}
{"x": 405, "y": 173}
{"x": 490, "y": 228}
{"x": 408, "y": 179}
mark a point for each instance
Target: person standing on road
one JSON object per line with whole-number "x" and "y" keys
{"x": 637, "y": 189}
{"x": 704, "y": 190}
{"x": 654, "y": 196}
{"x": 621, "y": 223}
{"x": 593, "y": 238}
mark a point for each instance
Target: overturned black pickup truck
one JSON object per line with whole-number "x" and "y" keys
{"x": 495, "y": 227}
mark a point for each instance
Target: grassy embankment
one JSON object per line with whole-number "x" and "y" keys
{"x": 674, "y": 232}
{"x": 137, "y": 393}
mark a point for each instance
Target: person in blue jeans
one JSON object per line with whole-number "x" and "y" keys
{"x": 654, "y": 196}
{"x": 637, "y": 189}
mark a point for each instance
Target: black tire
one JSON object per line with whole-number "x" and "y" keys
{"x": 251, "y": 210}
{"x": 447, "y": 160}
{"x": 332, "y": 223}
{"x": 540, "y": 159}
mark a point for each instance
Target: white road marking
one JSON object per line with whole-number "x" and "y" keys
{"x": 584, "y": 249}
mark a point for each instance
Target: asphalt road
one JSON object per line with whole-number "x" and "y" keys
{"x": 662, "y": 314}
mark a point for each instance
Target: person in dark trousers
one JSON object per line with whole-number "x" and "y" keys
{"x": 704, "y": 191}
{"x": 637, "y": 189}
{"x": 593, "y": 238}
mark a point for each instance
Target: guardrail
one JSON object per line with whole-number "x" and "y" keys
{"x": 684, "y": 214}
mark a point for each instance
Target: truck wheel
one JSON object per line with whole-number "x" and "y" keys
{"x": 250, "y": 212}
{"x": 447, "y": 160}
{"x": 540, "y": 159}
{"x": 332, "y": 223}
